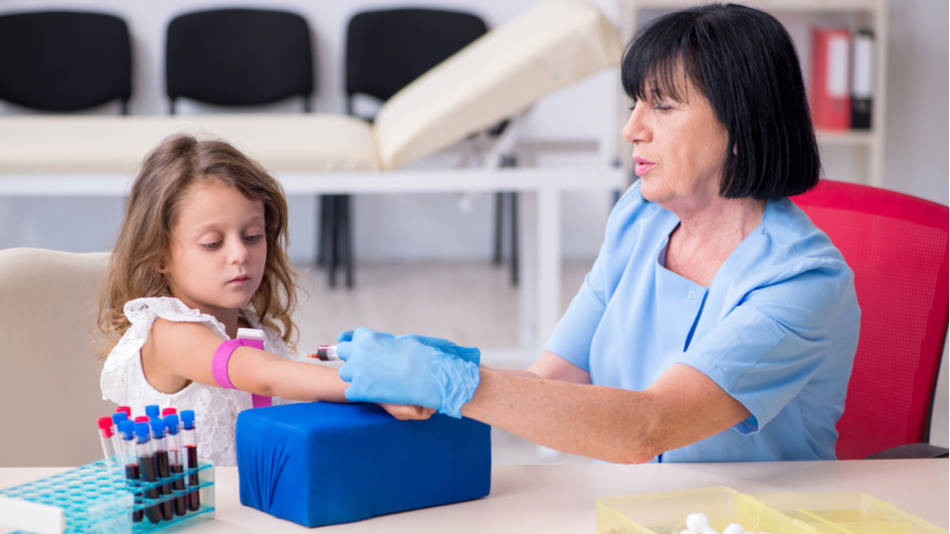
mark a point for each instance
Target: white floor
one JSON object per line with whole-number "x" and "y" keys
{"x": 472, "y": 303}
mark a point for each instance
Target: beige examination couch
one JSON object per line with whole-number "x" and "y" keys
{"x": 49, "y": 380}
{"x": 501, "y": 74}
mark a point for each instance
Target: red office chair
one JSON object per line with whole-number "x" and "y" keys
{"x": 897, "y": 246}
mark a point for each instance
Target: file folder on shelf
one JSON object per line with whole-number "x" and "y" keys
{"x": 830, "y": 84}
{"x": 862, "y": 79}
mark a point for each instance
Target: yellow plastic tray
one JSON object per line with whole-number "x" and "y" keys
{"x": 775, "y": 513}
{"x": 848, "y": 513}
{"x": 665, "y": 513}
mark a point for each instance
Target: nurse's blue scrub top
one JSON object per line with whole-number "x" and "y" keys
{"x": 776, "y": 329}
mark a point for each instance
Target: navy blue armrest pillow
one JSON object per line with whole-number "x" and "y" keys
{"x": 321, "y": 463}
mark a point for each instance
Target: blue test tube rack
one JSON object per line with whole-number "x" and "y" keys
{"x": 97, "y": 497}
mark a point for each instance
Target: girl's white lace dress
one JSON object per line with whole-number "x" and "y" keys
{"x": 123, "y": 382}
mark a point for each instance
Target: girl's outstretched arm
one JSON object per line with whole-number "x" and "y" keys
{"x": 178, "y": 353}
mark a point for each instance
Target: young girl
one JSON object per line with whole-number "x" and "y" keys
{"x": 199, "y": 255}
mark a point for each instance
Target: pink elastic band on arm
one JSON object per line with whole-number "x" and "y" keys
{"x": 219, "y": 364}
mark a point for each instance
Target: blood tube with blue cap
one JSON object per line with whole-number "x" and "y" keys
{"x": 175, "y": 466}
{"x": 160, "y": 453}
{"x": 190, "y": 446}
{"x": 143, "y": 451}
{"x": 152, "y": 410}
{"x": 126, "y": 430}
{"x": 117, "y": 418}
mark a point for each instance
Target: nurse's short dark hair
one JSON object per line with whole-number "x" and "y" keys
{"x": 743, "y": 61}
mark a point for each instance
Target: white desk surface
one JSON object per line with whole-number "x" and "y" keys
{"x": 560, "y": 498}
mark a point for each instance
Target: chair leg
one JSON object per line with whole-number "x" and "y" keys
{"x": 323, "y": 224}
{"x": 499, "y": 222}
{"x": 514, "y": 238}
{"x": 346, "y": 239}
{"x": 332, "y": 244}
{"x": 511, "y": 160}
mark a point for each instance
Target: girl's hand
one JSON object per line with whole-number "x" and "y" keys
{"x": 406, "y": 412}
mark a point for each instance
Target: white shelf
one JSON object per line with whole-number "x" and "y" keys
{"x": 846, "y": 138}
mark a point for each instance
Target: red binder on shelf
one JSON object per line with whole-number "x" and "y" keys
{"x": 830, "y": 84}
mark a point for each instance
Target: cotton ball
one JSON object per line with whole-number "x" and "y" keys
{"x": 734, "y": 528}
{"x": 696, "y": 522}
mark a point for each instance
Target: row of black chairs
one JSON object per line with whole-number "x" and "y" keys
{"x": 63, "y": 61}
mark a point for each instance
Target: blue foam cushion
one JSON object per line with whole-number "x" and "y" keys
{"x": 321, "y": 463}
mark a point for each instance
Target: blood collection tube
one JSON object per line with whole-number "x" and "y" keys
{"x": 175, "y": 466}
{"x": 141, "y": 419}
{"x": 105, "y": 438}
{"x": 168, "y": 411}
{"x": 160, "y": 453}
{"x": 125, "y": 409}
{"x": 152, "y": 411}
{"x": 324, "y": 353}
{"x": 126, "y": 431}
{"x": 189, "y": 445}
{"x": 125, "y": 447}
{"x": 143, "y": 452}
{"x": 117, "y": 418}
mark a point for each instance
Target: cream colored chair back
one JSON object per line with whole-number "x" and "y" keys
{"x": 49, "y": 378}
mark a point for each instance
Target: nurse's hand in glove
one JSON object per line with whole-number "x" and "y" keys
{"x": 470, "y": 354}
{"x": 385, "y": 369}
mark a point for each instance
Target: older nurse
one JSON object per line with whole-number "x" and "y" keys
{"x": 717, "y": 323}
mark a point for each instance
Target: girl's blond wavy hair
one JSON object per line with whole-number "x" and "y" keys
{"x": 168, "y": 173}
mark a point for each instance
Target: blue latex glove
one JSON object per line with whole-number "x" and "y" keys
{"x": 469, "y": 354}
{"x": 383, "y": 368}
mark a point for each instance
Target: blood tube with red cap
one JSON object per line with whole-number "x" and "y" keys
{"x": 190, "y": 446}
{"x": 146, "y": 459}
{"x": 168, "y": 411}
{"x": 160, "y": 453}
{"x": 175, "y": 466}
{"x": 105, "y": 438}
{"x": 141, "y": 419}
{"x": 125, "y": 409}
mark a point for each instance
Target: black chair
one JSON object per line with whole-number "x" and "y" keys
{"x": 65, "y": 60}
{"x": 385, "y": 51}
{"x": 238, "y": 57}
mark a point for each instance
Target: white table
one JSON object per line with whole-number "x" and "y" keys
{"x": 560, "y": 498}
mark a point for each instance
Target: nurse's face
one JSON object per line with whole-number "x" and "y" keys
{"x": 679, "y": 148}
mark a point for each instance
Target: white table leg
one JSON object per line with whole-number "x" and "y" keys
{"x": 549, "y": 263}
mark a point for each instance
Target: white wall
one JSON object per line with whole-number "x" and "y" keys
{"x": 401, "y": 227}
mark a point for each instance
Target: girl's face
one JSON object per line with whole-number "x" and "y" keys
{"x": 679, "y": 149}
{"x": 218, "y": 249}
